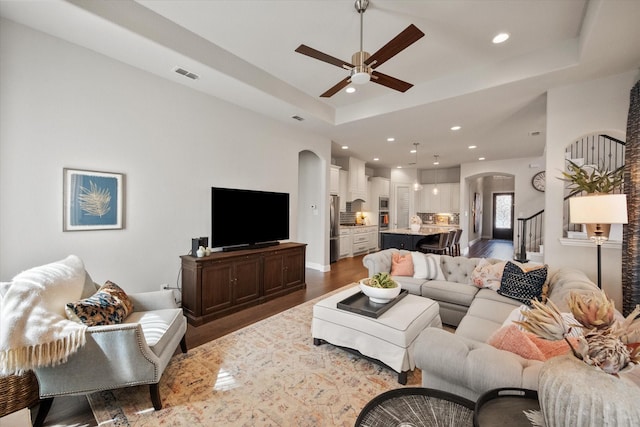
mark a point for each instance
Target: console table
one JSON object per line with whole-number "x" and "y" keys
{"x": 225, "y": 282}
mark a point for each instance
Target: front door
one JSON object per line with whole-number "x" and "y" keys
{"x": 503, "y": 216}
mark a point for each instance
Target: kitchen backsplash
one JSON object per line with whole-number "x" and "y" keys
{"x": 427, "y": 217}
{"x": 433, "y": 218}
{"x": 347, "y": 217}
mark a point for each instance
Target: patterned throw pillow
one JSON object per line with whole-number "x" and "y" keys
{"x": 402, "y": 265}
{"x": 109, "y": 306}
{"x": 487, "y": 275}
{"x": 522, "y": 285}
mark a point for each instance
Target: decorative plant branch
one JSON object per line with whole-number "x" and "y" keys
{"x": 599, "y": 180}
{"x": 94, "y": 201}
{"x": 606, "y": 341}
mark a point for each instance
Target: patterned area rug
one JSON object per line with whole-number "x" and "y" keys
{"x": 267, "y": 374}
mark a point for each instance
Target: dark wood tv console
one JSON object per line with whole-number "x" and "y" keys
{"x": 225, "y": 282}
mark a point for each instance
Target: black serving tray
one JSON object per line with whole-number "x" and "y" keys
{"x": 359, "y": 303}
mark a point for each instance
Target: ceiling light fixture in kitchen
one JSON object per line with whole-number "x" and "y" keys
{"x": 416, "y": 185}
{"x": 436, "y": 162}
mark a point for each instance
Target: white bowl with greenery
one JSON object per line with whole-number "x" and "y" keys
{"x": 380, "y": 288}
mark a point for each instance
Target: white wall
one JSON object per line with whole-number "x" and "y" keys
{"x": 526, "y": 199}
{"x": 66, "y": 106}
{"x": 573, "y": 111}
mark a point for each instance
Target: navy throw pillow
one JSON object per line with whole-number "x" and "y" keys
{"x": 522, "y": 285}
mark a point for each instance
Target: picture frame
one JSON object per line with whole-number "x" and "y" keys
{"x": 92, "y": 200}
{"x": 475, "y": 211}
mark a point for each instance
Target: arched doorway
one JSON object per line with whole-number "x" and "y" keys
{"x": 310, "y": 209}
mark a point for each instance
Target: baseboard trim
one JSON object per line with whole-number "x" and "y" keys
{"x": 319, "y": 267}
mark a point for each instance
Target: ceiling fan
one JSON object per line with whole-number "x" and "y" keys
{"x": 365, "y": 63}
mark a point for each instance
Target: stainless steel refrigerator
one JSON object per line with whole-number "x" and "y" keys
{"x": 334, "y": 228}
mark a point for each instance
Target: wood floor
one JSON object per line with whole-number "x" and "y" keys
{"x": 75, "y": 411}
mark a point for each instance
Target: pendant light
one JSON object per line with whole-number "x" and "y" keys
{"x": 436, "y": 162}
{"x": 416, "y": 185}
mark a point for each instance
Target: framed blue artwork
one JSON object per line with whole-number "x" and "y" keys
{"x": 93, "y": 200}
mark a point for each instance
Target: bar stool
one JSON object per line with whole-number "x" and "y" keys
{"x": 455, "y": 244}
{"x": 439, "y": 247}
{"x": 452, "y": 236}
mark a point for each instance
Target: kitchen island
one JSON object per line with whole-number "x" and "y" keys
{"x": 405, "y": 238}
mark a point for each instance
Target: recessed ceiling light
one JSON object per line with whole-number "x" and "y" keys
{"x": 350, "y": 89}
{"x": 345, "y": 147}
{"x": 391, "y": 139}
{"x": 500, "y": 38}
{"x": 375, "y": 159}
{"x": 471, "y": 147}
{"x": 480, "y": 158}
{"x": 456, "y": 127}
{"x": 398, "y": 167}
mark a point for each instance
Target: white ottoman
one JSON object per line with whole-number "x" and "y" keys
{"x": 388, "y": 339}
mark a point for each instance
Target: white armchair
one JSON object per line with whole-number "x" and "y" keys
{"x": 132, "y": 353}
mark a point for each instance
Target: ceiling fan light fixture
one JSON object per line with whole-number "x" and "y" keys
{"x": 359, "y": 77}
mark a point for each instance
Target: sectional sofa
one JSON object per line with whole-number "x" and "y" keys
{"x": 463, "y": 363}
{"x": 447, "y": 280}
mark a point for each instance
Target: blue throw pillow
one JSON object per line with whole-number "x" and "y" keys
{"x": 522, "y": 285}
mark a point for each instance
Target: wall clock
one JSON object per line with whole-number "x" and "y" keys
{"x": 538, "y": 181}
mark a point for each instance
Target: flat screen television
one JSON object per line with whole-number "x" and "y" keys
{"x": 241, "y": 218}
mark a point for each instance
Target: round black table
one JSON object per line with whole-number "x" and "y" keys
{"x": 416, "y": 407}
{"x": 505, "y": 407}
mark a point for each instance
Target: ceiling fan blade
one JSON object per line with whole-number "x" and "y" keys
{"x": 309, "y": 51}
{"x": 336, "y": 88}
{"x": 390, "y": 82}
{"x": 406, "y": 38}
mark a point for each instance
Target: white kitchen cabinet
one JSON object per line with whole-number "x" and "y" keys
{"x": 444, "y": 194}
{"x": 367, "y": 205}
{"x": 360, "y": 240}
{"x": 455, "y": 197}
{"x": 379, "y": 187}
{"x": 342, "y": 192}
{"x": 372, "y": 237}
{"x": 357, "y": 179}
{"x": 446, "y": 201}
{"x": 334, "y": 180}
{"x": 345, "y": 243}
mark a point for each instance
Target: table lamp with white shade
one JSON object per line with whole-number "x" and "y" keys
{"x": 598, "y": 212}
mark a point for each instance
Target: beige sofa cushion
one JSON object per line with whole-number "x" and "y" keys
{"x": 451, "y": 292}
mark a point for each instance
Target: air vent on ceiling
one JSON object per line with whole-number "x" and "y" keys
{"x": 186, "y": 73}
{"x": 534, "y": 133}
{"x": 298, "y": 118}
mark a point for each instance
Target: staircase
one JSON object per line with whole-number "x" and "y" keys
{"x": 591, "y": 150}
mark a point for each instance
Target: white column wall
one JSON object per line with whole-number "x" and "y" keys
{"x": 574, "y": 111}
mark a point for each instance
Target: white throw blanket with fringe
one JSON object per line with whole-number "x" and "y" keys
{"x": 34, "y": 330}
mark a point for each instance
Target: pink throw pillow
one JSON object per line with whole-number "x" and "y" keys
{"x": 528, "y": 345}
{"x": 402, "y": 265}
{"x": 513, "y": 340}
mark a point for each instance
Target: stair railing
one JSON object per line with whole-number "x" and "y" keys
{"x": 593, "y": 149}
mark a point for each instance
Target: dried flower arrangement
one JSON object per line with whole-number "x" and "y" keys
{"x": 606, "y": 342}
{"x": 415, "y": 219}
